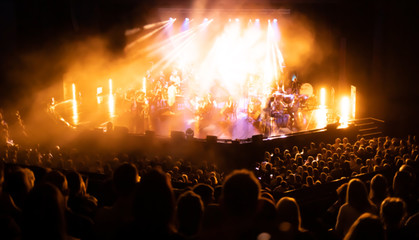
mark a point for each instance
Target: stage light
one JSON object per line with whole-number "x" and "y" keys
{"x": 205, "y": 19}
{"x": 229, "y": 19}
{"x": 345, "y": 110}
{"x": 353, "y": 100}
{"x": 275, "y": 20}
{"x": 187, "y": 19}
{"x": 322, "y": 97}
{"x": 269, "y": 20}
{"x": 111, "y": 101}
{"x": 237, "y": 20}
{"x": 171, "y": 19}
{"x": 75, "y": 111}
{"x": 257, "y": 19}
{"x": 189, "y": 133}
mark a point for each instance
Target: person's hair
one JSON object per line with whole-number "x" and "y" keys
{"x": 393, "y": 212}
{"x": 368, "y": 227}
{"x": 124, "y": 178}
{"x": 288, "y": 211}
{"x": 205, "y": 191}
{"x": 357, "y": 195}
{"x": 154, "y": 203}
{"x": 241, "y": 192}
{"x": 401, "y": 184}
{"x": 58, "y": 179}
{"x": 378, "y": 188}
{"x": 76, "y": 184}
{"x": 43, "y": 213}
{"x": 189, "y": 213}
{"x": 341, "y": 192}
{"x": 18, "y": 185}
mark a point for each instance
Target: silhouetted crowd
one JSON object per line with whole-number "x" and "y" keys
{"x": 68, "y": 194}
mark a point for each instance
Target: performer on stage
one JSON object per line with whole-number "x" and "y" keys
{"x": 295, "y": 85}
{"x": 229, "y": 109}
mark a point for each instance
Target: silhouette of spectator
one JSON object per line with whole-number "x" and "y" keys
{"x": 368, "y": 227}
{"x": 154, "y": 207}
{"x": 79, "y": 200}
{"x": 357, "y": 203}
{"x": 205, "y": 191}
{"x": 189, "y": 214}
{"x": 332, "y": 211}
{"x": 78, "y": 226}
{"x": 378, "y": 190}
{"x": 402, "y": 188}
{"x": 18, "y": 183}
{"x": 241, "y": 193}
{"x": 109, "y": 220}
{"x": 43, "y": 214}
{"x": 240, "y": 198}
{"x": 393, "y": 214}
{"x": 289, "y": 220}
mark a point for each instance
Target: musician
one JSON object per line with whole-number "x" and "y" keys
{"x": 206, "y": 106}
{"x": 295, "y": 85}
{"x": 277, "y": 111}
{"x": 254, "y": 109}
{"x": 229, "y": 109}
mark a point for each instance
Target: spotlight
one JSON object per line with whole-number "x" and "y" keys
{"x": 269, "y": 20}
{"x": 237, "y": 20}
{"x": 205, "y": 19}
{"x": 275, "y": 20}
{"x": 187, "y": 19}
{"x": 257, "y": 19}
{"x": 229, "y": 19}
{"x": 189, "y": 133}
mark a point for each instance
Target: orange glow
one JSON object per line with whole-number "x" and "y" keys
{"x": 353, "y": 101}
{"x": 98, "y": 92}
{"x": 345, "y": 110}
{"x": 75, "y": 110}
{"x": 322, "y": 97}
{"x": 111, "y": 100}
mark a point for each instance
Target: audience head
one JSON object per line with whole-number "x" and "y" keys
{"x": 58, "y": 179}
{"x": 393, "y": 212}
{"x": 378, "y": 187}
{"x": 205, "y": 191}
{"x": 154, "y": 202}
{"x": 241, "y": 192}
{"x": 125, "y": 178}
{"x": 76, "y": 184}
{"x": 43, "y": 214}
{"x": 288, "y": 215}
{"x": 189, "y": 213}
{"x": 368, "y": 227}
{"x": 18, "y": 183}
{"x": 357, "y": 195}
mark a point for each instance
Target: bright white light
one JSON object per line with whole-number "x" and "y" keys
{"x": 323, "y": 97}
{"x": 257, "y": 19}
{"x": 205, "y": 19}
{"x": 75, "y": 111}
{"x": 275, "y": 20}
{"x": 187, "y": 19}
{"x": 111, "y": 102}
{"x": 237, "y": 20}
{"x": 345, "y": 111}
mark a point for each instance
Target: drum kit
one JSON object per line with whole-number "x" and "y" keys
{"x": 282, "y": 109}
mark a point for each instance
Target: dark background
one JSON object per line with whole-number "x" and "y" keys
{"x": 380, "y": 41}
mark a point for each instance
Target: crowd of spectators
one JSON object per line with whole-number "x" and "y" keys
{"x": 68, "y": 194}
